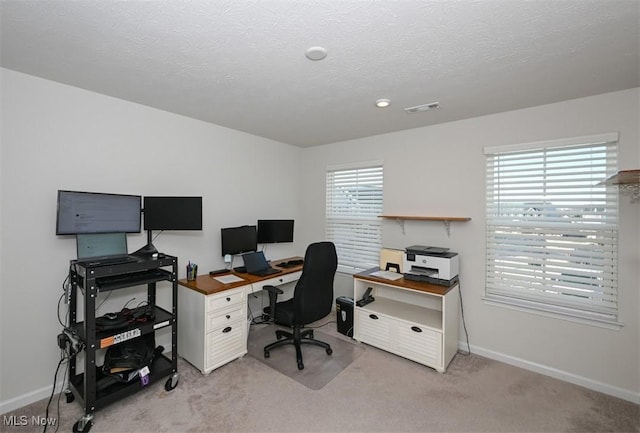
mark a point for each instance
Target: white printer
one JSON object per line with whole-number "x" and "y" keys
{"x": 433, "y": 265}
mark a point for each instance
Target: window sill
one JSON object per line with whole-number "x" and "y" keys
{"x": 557, "y": 313}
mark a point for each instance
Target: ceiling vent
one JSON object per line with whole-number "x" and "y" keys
{"x": 423, "y": 107}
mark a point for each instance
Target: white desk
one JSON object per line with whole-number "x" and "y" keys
{"x": 212, "y": 316}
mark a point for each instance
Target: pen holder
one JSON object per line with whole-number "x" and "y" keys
{"x": 192, "y": 271}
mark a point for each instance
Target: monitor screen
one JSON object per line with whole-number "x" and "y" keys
{"x": 101, "y": 245}
{"x": 93, "y": 212}
{"x": 172, "y": 213}
{"x": 274, "y": 231}
{"x": 238, "y": 240}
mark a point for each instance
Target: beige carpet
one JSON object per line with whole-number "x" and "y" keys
{"x": 319, "y": 368}
{"x": 378, "y": 392}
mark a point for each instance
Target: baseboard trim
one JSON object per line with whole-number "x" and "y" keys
{"x": 28, "y": 398}
{"x": 625, "y": 394}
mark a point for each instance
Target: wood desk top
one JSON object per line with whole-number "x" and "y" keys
{"x": 207, "y": 284}
{"x": 404, "y": 283}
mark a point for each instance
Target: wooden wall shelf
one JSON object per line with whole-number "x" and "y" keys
{"x": 400, "y": 219}
{"x": 623, "y": 177}
{"x": 627, "y": 181}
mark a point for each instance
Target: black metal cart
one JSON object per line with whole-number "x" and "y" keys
{"x": 91, "y": 280}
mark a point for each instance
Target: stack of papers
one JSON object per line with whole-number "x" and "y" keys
{"x": 387, "y": 275}
{"x": 228, "y": 279}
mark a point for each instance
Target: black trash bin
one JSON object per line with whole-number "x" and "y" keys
{"x": 344, "y": 313}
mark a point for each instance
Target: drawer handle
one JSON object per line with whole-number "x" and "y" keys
{"x": 228, "y": 299}
{"x": 416, "y": 329}
{"x": 228, "y": 316}
{"x": 373, "y": 316}
{"x": 227, "y": 329}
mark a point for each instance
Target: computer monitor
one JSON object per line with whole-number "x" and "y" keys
{"x": 172, "y": 213}
{"x": 92, "y": 212}
{"x": 275, "y": 231}
{"x": 238, "y": 240}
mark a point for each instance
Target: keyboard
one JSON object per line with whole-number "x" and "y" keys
{"x": 290, "y": 263}
{"x": 265, "y": 272}
{"x": 107, "y": 262}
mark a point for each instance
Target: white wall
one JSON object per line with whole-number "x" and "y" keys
{"x": 439, "y": 170}
{"x": 60, "y": 137}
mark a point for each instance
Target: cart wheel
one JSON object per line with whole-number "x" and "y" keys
{"x": 78, "y": 429}
{"x": 69, "y": 396}
{"x": 329, "y": 351}
{"x": 266, "y": 354}
{"x": 171, "y": 383}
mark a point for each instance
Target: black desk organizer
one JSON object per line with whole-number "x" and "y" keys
{"x": 92, "y": 280}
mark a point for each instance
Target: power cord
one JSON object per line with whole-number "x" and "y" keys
{"x": 464, "y": 325}
{"x": 320, "y": 326}
{"x": 64, "y": 380}
{"x": 69, "y": 343}
{"x": 53, "y": 390}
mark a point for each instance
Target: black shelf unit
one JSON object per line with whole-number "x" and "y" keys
{"x": 91, "y": 280}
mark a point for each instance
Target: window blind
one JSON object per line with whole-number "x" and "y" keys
{"x": 551, "y": 234}
{"x": 353, "y": 204}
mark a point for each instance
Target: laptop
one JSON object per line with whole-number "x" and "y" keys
{"x": 103, "y": 249}
{"x": 257, "y": 264}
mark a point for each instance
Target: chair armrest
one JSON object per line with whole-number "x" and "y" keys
{"x": 273, "y": 289}
{"x": 273, "y": 296}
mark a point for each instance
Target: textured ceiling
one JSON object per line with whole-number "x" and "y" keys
{"x": 241, "y": 63}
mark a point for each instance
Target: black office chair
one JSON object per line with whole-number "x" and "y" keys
{"x": 312, "y": 300}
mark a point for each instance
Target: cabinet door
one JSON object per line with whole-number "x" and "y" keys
{"x": 420, "y": 344}
{"x": 225, "y": 344}
{"x": 374, "y": 329}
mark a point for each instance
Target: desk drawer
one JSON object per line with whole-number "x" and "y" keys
{"x": 225, "y": 344}
{"x": 222, "y": 319}
{"x": 374, "y": 329}
{"x": 225, "y": 299}
{"x": 277, "y": 280}
{"x": 420, "y": 344}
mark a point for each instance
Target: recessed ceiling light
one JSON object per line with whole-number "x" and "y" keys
{"x": 383, "y": 103}
{"x": 316, "y": 53}
{"x": 423, "y": 107}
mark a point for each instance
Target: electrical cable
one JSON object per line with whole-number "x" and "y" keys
{"x": 464, "y": 325}
{"x": 53, "y": 390}
{"x": 156, "y": 236}
{"x": 64, "y": 381}
{"x": 66, "y": 314}
{"x": 320, "y": 326}
{"x": 104, "y": 300}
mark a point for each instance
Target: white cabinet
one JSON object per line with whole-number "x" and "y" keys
{"x": 212, "y": 315}
{"x": 418, "y": 321}
{"x": 214, "y": 327}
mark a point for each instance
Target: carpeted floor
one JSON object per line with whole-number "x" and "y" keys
{"x": 376, "y": 392}
{"x": 320, "y": 368}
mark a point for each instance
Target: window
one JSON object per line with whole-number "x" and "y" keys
{"x": 551, "y": 235}
{"x": 354, "y": 202}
